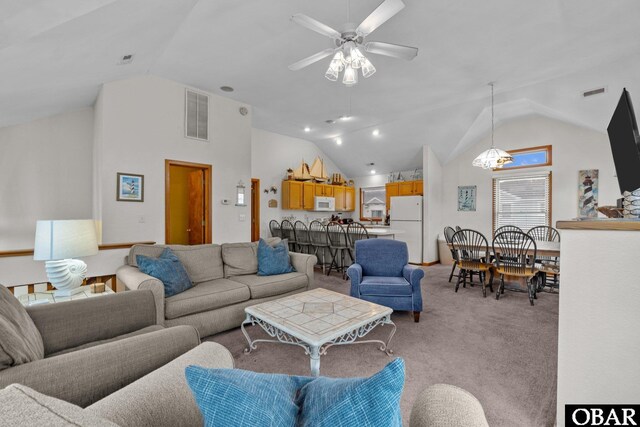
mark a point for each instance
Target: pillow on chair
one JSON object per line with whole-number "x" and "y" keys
{"x": 20, "y": 340}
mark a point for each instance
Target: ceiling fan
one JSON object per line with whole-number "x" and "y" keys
{"x": 347, "y": 55}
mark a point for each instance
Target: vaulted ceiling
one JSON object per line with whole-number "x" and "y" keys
{"x": 541, "y": 54}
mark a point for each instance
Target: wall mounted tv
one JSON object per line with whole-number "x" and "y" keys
{"x": 625, "y": 144}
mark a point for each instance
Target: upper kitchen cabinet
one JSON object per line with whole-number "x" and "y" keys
{"x": 298, "y": 195}
{"x": 403, "y": 188}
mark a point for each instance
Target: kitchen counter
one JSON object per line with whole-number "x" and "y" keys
{"x": 384, "y": 232}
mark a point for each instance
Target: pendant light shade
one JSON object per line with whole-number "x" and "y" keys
{"x": 493, "y": 158}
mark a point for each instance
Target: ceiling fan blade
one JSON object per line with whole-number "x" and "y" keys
{"x": 393, "y": 50}
{"x": 382, "y": 14}
{"x": 316, "y": 26}
{"x": 310, "y": 60}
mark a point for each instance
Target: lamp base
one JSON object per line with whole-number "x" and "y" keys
{"x": 67, "y": 292}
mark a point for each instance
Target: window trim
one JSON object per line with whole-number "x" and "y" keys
{"x": 362, "y": 218}
{"x": 547, "y": 148}
{"x": 493, "y": 197}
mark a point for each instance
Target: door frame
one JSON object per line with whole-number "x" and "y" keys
{"x": 255, "y": 210}
{"x": 208, "y": 235}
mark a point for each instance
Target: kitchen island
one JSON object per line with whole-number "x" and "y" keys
{"x": 383, "y": 232}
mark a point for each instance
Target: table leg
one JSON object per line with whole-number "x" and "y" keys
{"x": 314, "y": 354}
{"x": 252, "y": 346}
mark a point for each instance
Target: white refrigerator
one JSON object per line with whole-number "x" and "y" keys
{"x": 406, "y": 216}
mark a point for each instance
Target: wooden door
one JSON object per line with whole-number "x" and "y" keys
{"x": 405, "y": 188}
{"x": 391, "y": 191}
{"x": 196, "y": 207}
{"x": 339, "y": 194}
{"x": 350, "y": 199}
{"x": 308, "y": 193}
{"x": 255, "y": 209}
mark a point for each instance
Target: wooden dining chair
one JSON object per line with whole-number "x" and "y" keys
{"x": 507, "y": 228}
{"x": 515, "y": 254}
{"x": 472, "y": 252}
{"x": 448, "y": 237}
{"x": 546, "y": 265}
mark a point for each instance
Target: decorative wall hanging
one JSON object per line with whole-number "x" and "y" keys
{"x": 130, "y": 187}
{"x": 273, "y": 203}
{"x": 467, "y": 198}
{"x": 588, "y": 193}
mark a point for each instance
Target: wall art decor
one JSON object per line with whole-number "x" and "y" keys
{"x": 130, "y": 187}
{"x": 588, "y": 193}
{"x": 467, "y": 198}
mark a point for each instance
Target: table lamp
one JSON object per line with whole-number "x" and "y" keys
{"x": 57, "y": 242}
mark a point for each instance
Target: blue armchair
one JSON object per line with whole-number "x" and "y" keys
{"x": 381, "y": 274}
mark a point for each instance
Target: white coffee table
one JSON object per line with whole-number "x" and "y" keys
{"x": 316, "y": 320}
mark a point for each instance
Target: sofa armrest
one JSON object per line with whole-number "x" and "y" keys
{"x": 85, "y": 376}
{"x": 444, "y": 405}
{"x": 414, "y": 275}
{"x": 304, "y": 263}
{"x": 73, "y": 323}
{"x": 355, "y": 274}
{"x": 163, "y": 397}
{"x": 134, "y": 279}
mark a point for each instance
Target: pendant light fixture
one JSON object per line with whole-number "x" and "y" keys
{"x": 493, "y": 158}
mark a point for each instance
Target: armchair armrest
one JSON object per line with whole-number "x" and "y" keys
{"x": 73, "y": 323}
{"x": 304, "y": 263}
{"x": 355, "y": 274}
{"x": 134, "y": 279}
{"x": 414, "y": 275}
{"x": 86, "y": 376}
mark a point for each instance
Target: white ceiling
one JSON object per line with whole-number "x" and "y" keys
{"x": 541, "y": 54}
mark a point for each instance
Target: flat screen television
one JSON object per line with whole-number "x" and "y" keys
{"x": 625, "y": 144}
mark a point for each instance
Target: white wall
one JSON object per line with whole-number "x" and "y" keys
{"x": 574, "y": 149}
{"x": 142, "y": 124}
{"x": 432, "y": 206}
{"x": 271, "y": 155}
{"x": 45, "y": 173}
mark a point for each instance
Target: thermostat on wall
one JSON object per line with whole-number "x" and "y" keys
{"x": 225, "y": 201}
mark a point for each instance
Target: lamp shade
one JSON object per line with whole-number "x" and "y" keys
{"x": 62, "y": 239}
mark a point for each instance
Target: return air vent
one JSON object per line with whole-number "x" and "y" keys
{"x": 593, "y": 92}
{"x": 197, "y": 116}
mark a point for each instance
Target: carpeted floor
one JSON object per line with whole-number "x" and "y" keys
{"x": 504, "y": 352}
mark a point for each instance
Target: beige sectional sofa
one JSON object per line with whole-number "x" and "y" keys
{"x": 225, "y": 282}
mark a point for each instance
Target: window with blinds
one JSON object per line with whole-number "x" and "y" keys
{"x": 523, "y": 201}
{"x": 197, "y": 115}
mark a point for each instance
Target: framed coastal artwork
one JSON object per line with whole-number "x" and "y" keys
{"x": 130, "y": 187}
{"x": 467, "y": 198}
{"x": 588, "y": 193}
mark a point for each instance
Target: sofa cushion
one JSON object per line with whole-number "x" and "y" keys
{"x": 273, "y": 260}
{"x": 393, "y": 286}
{"x": 202, "y": 262}
{"x": 239, "y": 258}
{"x": 168, "y": 269}
{"x": 20, "y": 340}
{"x": 268, "y": 286}
{"x": 20, "y": 405}
{"x": 206, "y": 296}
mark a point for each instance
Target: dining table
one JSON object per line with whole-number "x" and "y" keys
{"x": 544, "y": 249}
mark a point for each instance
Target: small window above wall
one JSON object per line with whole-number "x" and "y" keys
{"x": 196, "y": 115}
{"x": 529, "y": 158}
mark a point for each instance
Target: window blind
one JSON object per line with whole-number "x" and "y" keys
{"x": 523, "y": 201}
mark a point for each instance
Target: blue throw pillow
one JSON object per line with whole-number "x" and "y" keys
{"x": 273, "y": 260}
{"x": 233, "y": 397}
{"x": 168, "y": 269}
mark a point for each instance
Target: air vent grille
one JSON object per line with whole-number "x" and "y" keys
{"x": 197, "y": 115}
{"x": 592, "y": 92}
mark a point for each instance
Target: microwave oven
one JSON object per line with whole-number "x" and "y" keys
{"x": 324, "y": 204}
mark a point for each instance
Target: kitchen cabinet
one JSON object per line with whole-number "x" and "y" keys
{"x": 308, "y": 194}
{"x": 403, "y": 188}
{"x": 292, "y": 195}
{"x": 339, "y": 194}
{"x": 350, "y": 199}
{"x": 298, "y": 195}
{"x": 323, "y": 190}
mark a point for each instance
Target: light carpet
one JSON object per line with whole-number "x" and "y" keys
{"x": 504, "y": 352}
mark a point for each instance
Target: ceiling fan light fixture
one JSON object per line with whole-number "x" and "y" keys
{"x": 331, "y": 74}
{"x": 368, "y": 69}
{"x": 337, "y": 62}
{"x": 350, "y": 76}
{"x": 357, "y": 58}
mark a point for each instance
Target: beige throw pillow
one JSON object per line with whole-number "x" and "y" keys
{"x": 20, "y": 340}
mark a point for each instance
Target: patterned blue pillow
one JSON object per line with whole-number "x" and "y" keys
{"x": 273, "y": 260}
{"x": 233, "y": 397}
{"x": 168, "y": 269}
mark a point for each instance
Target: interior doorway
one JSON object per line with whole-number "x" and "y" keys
{"x": 255, "y": 209}
{"x": 187, "y": 203}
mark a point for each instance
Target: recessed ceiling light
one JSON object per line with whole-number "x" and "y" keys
{"x": 375, "y": 132}
{"x": 345, "y": 118}
{"x": 373, "y": 171}
{"x": 226, "y": 88}
{"x": 339, "y": 141}
{"x": 307, "y": 129}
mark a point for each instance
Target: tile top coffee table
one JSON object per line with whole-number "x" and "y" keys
{"x": 316, "y": 320}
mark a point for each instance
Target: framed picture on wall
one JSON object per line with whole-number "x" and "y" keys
{"x": 467, "y": 198}
{"x": 130, "y": 187}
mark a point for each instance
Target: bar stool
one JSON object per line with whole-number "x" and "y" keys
{"x": 338, "y": 244}
{"x": 319, "y": 242}
{"x": 274, "y": 227}
{"x": 355, "y": 232}
{"x": 302, "y": 237}
{"x": 288, "y": 232}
